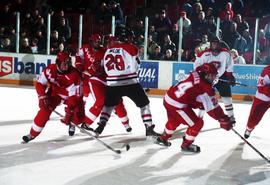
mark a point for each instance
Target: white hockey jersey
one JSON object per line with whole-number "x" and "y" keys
{"x": 223, "y": 61}
{"x": 120, "y": 64}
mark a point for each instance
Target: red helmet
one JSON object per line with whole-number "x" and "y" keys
{"x": 63, "y": 62}
{"x": 207, "y": 72}
{"x": 95, "y": 38}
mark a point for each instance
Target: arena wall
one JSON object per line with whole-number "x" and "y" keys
{"x": 157, "y": 76}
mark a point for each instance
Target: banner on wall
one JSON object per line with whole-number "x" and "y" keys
{"x": 180, "y": 71}
{"x": 245, "y": 74}
{"x": 148, "y": 74}
{"x": 23, "y": 66}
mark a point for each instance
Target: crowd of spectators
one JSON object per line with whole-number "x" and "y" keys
{"x": 199, "y": 25}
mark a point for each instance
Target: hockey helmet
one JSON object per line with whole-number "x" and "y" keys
{"x": 208, "y": 72}
{"x": 95, "y": 38}
{"x": 215, "y": 45}
{"x": 63, "y": 62}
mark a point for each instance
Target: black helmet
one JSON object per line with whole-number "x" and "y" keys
{"x": 215, "y": 39}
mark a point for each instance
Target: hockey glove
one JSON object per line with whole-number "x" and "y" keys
{"x": 44, "y": 102}
{"x": 68, "y": 116}
{"x": 226, "y": 123}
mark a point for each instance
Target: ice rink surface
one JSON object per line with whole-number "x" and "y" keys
{"x": 54, "y": 158}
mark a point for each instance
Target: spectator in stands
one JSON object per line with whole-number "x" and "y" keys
{"x": 118, "y": 13}
{"x": 55, "y": 40}
{"x": 209, "y": 13}
{"x": 64, "y": 30}
{"x": 40, "y": 26}
{"x": 151, "y": 45}
{"x": 240, "y": 44}
{"x": 237, "y": 59}
{"x": 199, "y": 28}
{"x": 261, "y": 41}
{"x": 153, "y": 32}
{"x": 225, "y": 26}
{"x": 41, "y": 44}
{"x": 34, "y": 45}
{"x": 249, "y": 39}
{"x": 259, "y": 60}
{"x": 169, "y": 55}
{"x": 162, "y": 25}
{"x": 204, "y": 44}
{"x": 157, "y": 54}
{"x": 138, "y": 28}
{"x": 5, "y": 45}
{"x": 26, "y": 23}
{"x": 6, "y": 16}
{"x": 61, "y": 47}
{"x": 57, "y": 19}
{"x": 25, "y": 47}
{"x": 197, "y": 8}
{"x": 34, "y": 18}
{"x": 186, "y": 23}
{"x": 211, "y": 26}
{"x": 232, "y": 35}
{"x": 103, "y": 13}
{"x": 168, "y": 44}
{"x": 141, "y": 52}
{"x": 241, "y": 24}
{"x": 228, "y": 10}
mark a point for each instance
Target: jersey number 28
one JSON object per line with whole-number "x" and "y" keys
{"x": 114, "y": 62}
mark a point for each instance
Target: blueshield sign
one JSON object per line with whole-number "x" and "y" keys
{"x": 180, "y": 71}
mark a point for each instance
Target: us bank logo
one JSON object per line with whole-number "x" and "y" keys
{"x": 9, "y": 65}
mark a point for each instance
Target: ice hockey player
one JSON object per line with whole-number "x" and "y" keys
{"x": 261, "y": 101}
{"x": 121, "y": 64}
{"x": 58, "y": 82}
{"x": 88, "y": 61}
{"x": 223, "y": 60}
{"x": 194, "y": 92}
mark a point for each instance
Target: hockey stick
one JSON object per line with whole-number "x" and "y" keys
{"x": 94, "y": 137}
{"x": 248, "y": 143}
{"x": 238, "y": 83}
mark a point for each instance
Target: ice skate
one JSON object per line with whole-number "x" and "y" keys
{"x": 87, "y": 127}
{"x": 191, "y": 149}
{"x": 100, "y": 128}
{"x": 27, "y": 138}
{"x": 71, "y": 130}
{"x": 163, "y": 142}
{"x": 247, "y": 134}
{"x": 128, "y": 128}
{"x": 150, "y": 133}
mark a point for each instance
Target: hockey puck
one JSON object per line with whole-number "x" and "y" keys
{"x": 127, "y": 147}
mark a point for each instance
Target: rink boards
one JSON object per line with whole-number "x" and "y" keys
{"x": 156, "y": 75}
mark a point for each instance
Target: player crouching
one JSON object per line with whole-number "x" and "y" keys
{"x": 196, "y": 91}
{"x": 58, "y": 83}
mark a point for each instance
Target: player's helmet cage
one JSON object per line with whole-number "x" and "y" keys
{"x": 208, "y": 72}
{"x": 63, "y": 62}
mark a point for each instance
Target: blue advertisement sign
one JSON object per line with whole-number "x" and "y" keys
{"x": 244, "y": 74}
{"x": 248, "y": 75}
{"x": 148, "y": 74}
{"x": 180, "y": 71}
